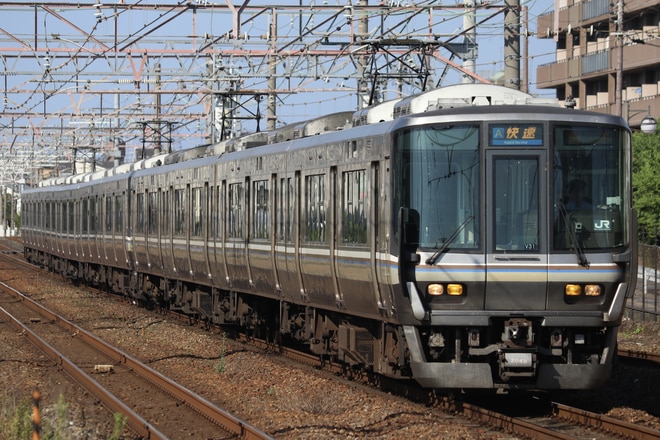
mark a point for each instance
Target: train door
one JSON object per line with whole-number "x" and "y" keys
{"x": 517, "y": 245}
{"x": 287, "y": 257}
{"x": 381, "y": 296}
{"x": 236, "y": 239}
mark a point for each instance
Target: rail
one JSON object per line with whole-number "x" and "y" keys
{"x": 220, "y": 417}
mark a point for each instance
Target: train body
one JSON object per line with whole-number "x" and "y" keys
{"x": 445, "y": 244}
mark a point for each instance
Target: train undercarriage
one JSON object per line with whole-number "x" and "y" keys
{"x": 512, "y": 353}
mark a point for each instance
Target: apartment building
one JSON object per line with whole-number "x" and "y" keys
{"x": 588, "y": 39}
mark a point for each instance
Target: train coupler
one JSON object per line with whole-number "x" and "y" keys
{"x": 517, "y": 363}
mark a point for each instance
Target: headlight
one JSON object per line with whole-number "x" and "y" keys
{"x": 573, "y": 290}
{"x": 592, "y": 290}
{"x": 588, "y": 290}
{"x": 440, "y": 289}
{"x": 455, "y": 289}
{"x": 435, "y": 289}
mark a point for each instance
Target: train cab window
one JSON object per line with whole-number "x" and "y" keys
{"x": 315, "y": 216}
{"x": 589, "y": 181}
{"x": 354, "y": 215}
{"x": 180, "y": 204}
{"x": 516, "y": 204}
{"x": 235, "y": 211}
{"x": 437, "y": 182}
{"x": 260, "y": 209}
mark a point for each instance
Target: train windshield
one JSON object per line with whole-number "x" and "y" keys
{"x": 438, "y": 169}
{"x": 589, "y": 194}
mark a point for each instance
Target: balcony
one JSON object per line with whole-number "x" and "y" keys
{"x": 635, "y": 56}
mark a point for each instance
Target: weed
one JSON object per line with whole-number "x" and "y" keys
{"x": 15, "y": 420}
{"x": 221, "y": 366}
{"x": 120, "y": 424}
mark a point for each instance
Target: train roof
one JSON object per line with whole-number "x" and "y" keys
{"x": 451, "y": 97}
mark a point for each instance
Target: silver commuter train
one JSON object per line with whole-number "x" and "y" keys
{"x": 469, "y": 237}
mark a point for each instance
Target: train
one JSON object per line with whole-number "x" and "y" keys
{"x": 471, "y": 237}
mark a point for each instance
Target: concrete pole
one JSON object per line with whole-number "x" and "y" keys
{"x": 469, "y": 26}
{"x": 512, "y": 45}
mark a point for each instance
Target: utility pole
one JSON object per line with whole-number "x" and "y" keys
{"x": 618, "y": 98}
{"x": 524, "y": 83}
{"x": 470, "y": 27}
{"x": 512, "y": 44}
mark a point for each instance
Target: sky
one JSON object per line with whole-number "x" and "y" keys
{"x": 64, "y": 80}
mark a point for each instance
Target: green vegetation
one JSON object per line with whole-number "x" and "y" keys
{"x": 120, "y": 424}
{"x": 646, "y": 182}
{"x": 16, "y": 419}
{"x": 221, "y": 366}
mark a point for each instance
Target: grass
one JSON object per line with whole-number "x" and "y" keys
{"x": 16, "y": 420}
{"x": 221, "y": 366}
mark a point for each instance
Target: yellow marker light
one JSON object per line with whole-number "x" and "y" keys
{"x": 592, "y": 290}
{"x": 573, "y": 290}
{"x": 435, "y": 289}
{"x": 455, "y": 289}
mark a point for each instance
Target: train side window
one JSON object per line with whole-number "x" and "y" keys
{"x": 285, "y": 210}
{"x": 165, "y": 216}
{"x": 152, "y": 223}
{"x": 139, "y": 212}
{"x": 84, "y": 215}
{"x": 235, "y": 221}
{"x": 47, "y": 216}
{"x": 220, "y": 208}
{"x": 108, "y": 213}
{"x": 315, "y": 215}
{"x": 354, "y": 204}
{"x": 197, "y": 212}
{"x": 211, "y": 212}
{"x": 179, "y": 211}
{"x": 70, "y": 214}
{"x": 261, "y": 209}
{"x": 93, "y": 219}
{"x": 53, "y": 219}
{"x": 119, "y": 222}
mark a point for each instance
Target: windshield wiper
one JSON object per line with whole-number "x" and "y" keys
{"x": 582, "y": 258}
{"x": 432, "y": 259}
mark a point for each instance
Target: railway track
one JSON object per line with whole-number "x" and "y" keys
{"x": 563, "y": 422}
{"x": 123, "y": 384}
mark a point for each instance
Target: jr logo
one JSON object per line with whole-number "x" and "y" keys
{"x": 602, "y": 225}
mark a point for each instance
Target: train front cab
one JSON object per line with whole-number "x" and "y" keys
{"x": 511, "y": 284}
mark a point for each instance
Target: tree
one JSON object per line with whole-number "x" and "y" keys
{"x": 646, "y": 180}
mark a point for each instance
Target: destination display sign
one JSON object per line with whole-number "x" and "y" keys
{"x": 516, "y": 135}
